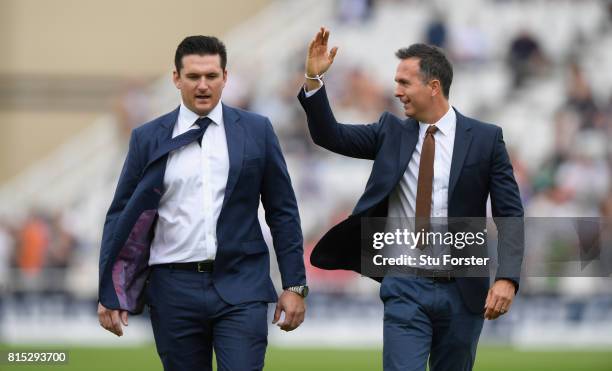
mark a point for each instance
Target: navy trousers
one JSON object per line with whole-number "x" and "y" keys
{"x": 189, "y": 320}
{"x": 427, "y": 320}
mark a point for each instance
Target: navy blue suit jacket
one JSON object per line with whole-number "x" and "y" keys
{"x": 257, "y": 170}
{"x": 480, "y": 167}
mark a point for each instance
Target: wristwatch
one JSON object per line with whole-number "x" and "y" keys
{"x": 300, "y": 290}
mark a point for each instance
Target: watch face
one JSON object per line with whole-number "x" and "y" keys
{"x": 305, "y": 291}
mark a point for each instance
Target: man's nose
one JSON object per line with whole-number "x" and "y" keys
{"x": 202, "y": 84}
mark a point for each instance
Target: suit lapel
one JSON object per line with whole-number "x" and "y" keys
{"x": 153, "y": 173}
{"x": 410, "y": 137}
{"x": 167, "y": 125}
{"x": 463, "y": 138}
{"x": 234, "y": 133}
{"x": 163, "y": 137}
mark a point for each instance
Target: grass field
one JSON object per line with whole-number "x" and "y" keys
{"x": 488, "y": 359}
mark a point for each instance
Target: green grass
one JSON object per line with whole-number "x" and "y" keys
{"x": 277, "y": 359}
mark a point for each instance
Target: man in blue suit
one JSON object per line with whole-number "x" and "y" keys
{"x": 436, "y": 163}
{"x": 182, "y": 233}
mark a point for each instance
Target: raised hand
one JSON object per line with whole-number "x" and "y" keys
{"x": 319, "y": 59}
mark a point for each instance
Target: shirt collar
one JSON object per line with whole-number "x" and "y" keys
{"x": 187, "y": 117}
{"x": 446, "y": 124}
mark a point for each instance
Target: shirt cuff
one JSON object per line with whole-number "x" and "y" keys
{"x": 310, "y": 93}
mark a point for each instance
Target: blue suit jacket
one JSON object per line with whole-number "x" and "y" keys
{"x": 257, "y": 170}
{"x": 480, "y": 167}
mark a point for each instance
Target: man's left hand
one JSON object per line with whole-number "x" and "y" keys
{"x": 294, "y": 307}
{"x": 499, "y": 299}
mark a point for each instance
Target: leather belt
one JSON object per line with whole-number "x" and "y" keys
{"x": 201, "y": 266}
{"x": 434, "y": 275}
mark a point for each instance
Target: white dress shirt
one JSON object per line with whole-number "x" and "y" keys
{"x": 402, "y": 201}
{"x": 194, "y": 189}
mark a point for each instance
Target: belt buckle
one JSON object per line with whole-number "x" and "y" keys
{"x": 435, "y": 275}
{"x": 201, "y": 267}
{"x": 439, "y": 275}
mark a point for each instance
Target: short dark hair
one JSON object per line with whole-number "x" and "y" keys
{"x": 200, "y": 45}
{"x": 432, "y": 63}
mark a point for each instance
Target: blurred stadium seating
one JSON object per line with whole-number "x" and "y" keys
{"x": 557, "y": 122}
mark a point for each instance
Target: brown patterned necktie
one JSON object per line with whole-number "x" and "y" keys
{"x": 425, "y": 181}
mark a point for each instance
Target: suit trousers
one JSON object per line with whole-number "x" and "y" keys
{"x": 190, "y": 320}
{"x": 425, "y": 320}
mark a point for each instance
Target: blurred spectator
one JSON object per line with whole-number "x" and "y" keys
{"x": 361, "y": 97}
{"x": 604, "y": 121}
{"x": 354, "y": 11}
{"x": 59, "y": 258}
{"x": 521, "y": 174}
{"x": 34, "y": 238}
{"x": 6, "y": 250}
{"x": 7, "y": 246}
{"x": 566, "y": 125}
{"x": 286, "y": 115}
{"x": 586, "y": 175}
{"x": 553, "y": 200}
{"x": 238, "y": 91}
{"x": 525, "y": 58}
{"x": 436, "y": 32}
{"x": 606, "y": 222}
{"x": 61, "y": 245}
{"x": 469, "y": 45}
{"x": 580, "y": 97}
{"x": 606, "y": 207}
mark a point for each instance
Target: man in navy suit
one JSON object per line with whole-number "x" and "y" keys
{"x": 437, "y": 163}
{"x": 182, "y": 233}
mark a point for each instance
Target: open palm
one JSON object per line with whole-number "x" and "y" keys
{"x": 319, "y": 59}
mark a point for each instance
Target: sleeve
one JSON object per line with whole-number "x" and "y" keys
{"x": 359, "y": 141}
{"x": 281, "y": 212}
{"x": 128, "y": 180}
{"x": 508, "y": 214}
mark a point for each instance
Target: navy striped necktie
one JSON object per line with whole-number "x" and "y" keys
{"x": 190, "y": 135}
{"x": 203, "y": 123}
{"x": 184, "y": 139}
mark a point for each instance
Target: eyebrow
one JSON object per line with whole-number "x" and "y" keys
{"x": 194, "y": 74}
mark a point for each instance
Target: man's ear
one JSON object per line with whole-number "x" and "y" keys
{"x": 436, "y": 87}
{"x": 176, "y": 79}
